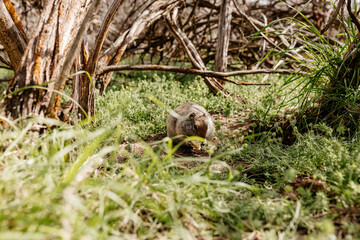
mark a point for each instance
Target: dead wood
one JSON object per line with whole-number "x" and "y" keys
{"x": 55, "y": 99}
{"x": 44, "y": 59}
{"x": 6, "y": 62}
{"x": 192, "y": 71}
{"x": 192, "y": 53}
{"x": 10, "y": 36}
{"x": 15, "y": 17}
{"x": 254, "y": 35}
{"x": 5, "y": 80}
{"x": 113, "y": 55}
{"x": 333, "y": 16}
{"x": 86, "y": 92}
{"x": 352, "y": 15}
{"x": 222, "y": 45}
{"x": 99, "y": 42}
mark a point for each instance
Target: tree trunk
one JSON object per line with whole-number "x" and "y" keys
{"x": 44, "y": 58}
{"x": 84, "y": 85}
{"x": 223, "y": 37}
{"x": 113, "y": 55}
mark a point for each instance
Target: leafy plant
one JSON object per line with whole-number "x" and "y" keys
{"x": 329, "y": 93}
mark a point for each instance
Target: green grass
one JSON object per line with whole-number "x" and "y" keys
{"x": 329, "y": 92}
{"x": 143, "y": 104}
{"x": 78, "y": 182}
{"x": 6, "y": 73}
{"x": 86, "y": 181}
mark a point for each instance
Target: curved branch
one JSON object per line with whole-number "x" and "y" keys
{"x": 10, "y": 37}
{"x": 6, "y": 67}
{"x": 15, "y": 17}
{"x": 352, "y": 16}
{"x": 150, "y": 15}
{"x": 5, "y": 79}
{"x": 5, "y": 61}
{"x": 102, "y": 35}
{"x": 114, "y": 54}
{"x": 333, "y": 17}
{"x": 192, "y": 71}
{"x": 192, "y": 53}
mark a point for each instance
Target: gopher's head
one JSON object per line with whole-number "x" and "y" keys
{"x": 195, "y": 125}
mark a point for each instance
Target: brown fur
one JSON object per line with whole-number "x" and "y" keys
{"x": 190, "y": 119}
{"x": 202, "y": 126}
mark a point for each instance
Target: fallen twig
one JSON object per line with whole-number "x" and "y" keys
{"x": 203, "y": 73}
{"x": 5, "y": 80}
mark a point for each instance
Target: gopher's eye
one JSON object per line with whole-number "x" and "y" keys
{"x": 195, "y": 127}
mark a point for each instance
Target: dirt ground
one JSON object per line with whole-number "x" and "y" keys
{"x": 228, "y": 126}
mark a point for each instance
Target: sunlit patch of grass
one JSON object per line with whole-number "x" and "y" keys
{"x": 142, "y": 116}
{"x": 4, "y": 73}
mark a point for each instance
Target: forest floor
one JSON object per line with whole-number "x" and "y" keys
{"x": 119, "y": 177}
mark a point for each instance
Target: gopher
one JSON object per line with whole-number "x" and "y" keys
{"x": 190, "y": 119}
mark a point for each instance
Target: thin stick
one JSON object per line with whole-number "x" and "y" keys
{"x": 5, "y": 80}
{"x": 192, "y": 53}
{"x": 333, "y": 17}
{"x": 352, "y": 16}
{"x": 204, "y": 73}
{"x": 100, "y": 39}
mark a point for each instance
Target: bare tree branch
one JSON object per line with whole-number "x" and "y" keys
{"x": 116, "y": 51}
{"x": 149, "y": 16}
{"x": 114, "y": 54}
{"x": 15, "y": 17}
{"x": 94, "y": 56}
{"x": 10, "y": 37}
{"x": 333, "y": 16}
{"x": 192, "y": 53}
{"x": 6, "y": 67}
{"x": 5, "y": 79}
{"x": 222, "y": 44}
{"x": 352, "y": 16}
{"x": 5, "y": 61}
{"x": 192, "y": 71}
